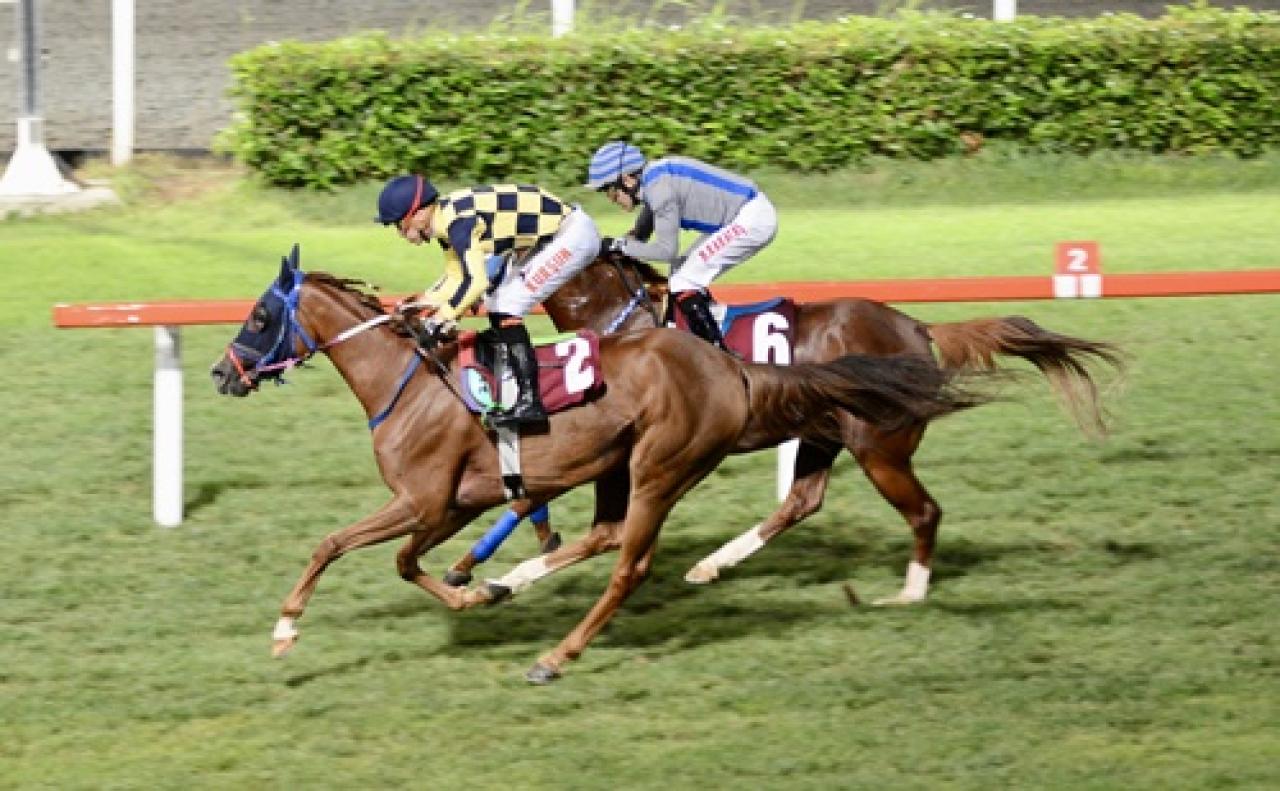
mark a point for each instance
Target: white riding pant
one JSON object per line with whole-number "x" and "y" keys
{"x": 713, "y": 254}
{"x": 574, "y": 246}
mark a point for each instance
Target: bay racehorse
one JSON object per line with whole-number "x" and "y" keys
{"x": 615, "y": 295}
{"x": 673, "y": 407}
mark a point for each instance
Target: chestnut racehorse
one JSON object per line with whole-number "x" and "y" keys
{"x": 673, "y": 407}
{"x": 624, "y": 294}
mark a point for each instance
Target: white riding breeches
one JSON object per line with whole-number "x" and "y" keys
{"x": 716, "y": 253}
{"x": 574, "y": 246}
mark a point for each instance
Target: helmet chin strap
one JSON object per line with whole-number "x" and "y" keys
{"x": 633, "y": 191}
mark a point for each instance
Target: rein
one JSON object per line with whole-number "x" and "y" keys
{"x": 638, "y": 296}
{"x": 292, "y": 328}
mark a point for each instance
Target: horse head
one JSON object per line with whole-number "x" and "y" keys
{"x": 271, "y": 340}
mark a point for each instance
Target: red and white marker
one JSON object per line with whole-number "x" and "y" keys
{"x": 1077, "y": 270}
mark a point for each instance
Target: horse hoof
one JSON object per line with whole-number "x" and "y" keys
{"x": 551, "y": 544}
{"x": 541, "y": 674}
{"x": 901, "y": 600}
{"x": 457, "y": 579}
{"x": 281, "y": 647}
{"x": 701, "y": 574}
{"x": 497, "y": 592}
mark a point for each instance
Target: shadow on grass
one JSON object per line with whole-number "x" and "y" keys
{"x": 339, "y": 669}
{"x": 765, "y": 595}
{"x": 753, "y": 598}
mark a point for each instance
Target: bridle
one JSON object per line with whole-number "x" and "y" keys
{"x": 276, "y": 360}
{"x": 639, "y": 296}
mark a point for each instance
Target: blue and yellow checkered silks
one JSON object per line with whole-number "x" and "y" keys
{"x": 475, "y": 223}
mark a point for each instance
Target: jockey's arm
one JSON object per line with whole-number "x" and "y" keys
{"x": 665, "y": 245}
{"x": 643, "y": 229}
{"x": 465, "y": 278}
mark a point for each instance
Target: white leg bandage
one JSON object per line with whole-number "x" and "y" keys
{"x": 736, "y": 551}
{"x": 524, "y": 575}
{"x": 917, "y": 584}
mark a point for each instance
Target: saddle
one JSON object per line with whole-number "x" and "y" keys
{"x": 569, "y": 371}
{"x": 761, "y": 332}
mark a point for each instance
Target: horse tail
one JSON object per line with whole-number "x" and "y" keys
{"x": 891, "y": 392}
{"x": 1064, "y": 360}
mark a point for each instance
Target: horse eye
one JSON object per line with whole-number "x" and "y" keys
{"x": 258, "y": 318}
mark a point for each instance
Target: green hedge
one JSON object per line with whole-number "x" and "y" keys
{"x": 810, "y": 97}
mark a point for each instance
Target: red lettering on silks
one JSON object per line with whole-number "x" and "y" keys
{"x": 720, "y": 241}
{"x": 549, "y": 269}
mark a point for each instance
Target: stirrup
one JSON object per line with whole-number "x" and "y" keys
{"x": 518, "y": 414}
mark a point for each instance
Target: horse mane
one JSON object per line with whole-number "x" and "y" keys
{"x": 362, "y": 290}
{"x": 647, "y": 272}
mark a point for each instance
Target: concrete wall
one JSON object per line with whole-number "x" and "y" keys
{"x": 183, "y": 45}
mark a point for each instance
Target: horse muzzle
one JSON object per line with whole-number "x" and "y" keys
{"x": 231, "y": 377}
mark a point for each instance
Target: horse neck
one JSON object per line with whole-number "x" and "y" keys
{"x": 370, "y": 362}
{"x": 594, "y": 299}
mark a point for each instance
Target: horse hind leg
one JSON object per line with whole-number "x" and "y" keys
{"x": 612, "y": 492}
{"x": 887, "y": 464}
{"x": 634, "y": 560}
{"x": 808, "y": 487}
{"x": 393, "y": 520}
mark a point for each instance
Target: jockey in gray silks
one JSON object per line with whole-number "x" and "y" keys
{"x": 733, "y": 217}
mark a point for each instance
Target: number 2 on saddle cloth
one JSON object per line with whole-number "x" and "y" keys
{"x": 761, "y": 332}
{"x": 568, "y": 370}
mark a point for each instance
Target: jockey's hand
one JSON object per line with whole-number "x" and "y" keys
{"x": 410, "y": 307}
{"x": 406, "y": 314}
{"x": 610, "y": 248}
{"x": 432, "y": 332}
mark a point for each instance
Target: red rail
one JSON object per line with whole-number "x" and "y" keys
{"x": 957, "y": 289}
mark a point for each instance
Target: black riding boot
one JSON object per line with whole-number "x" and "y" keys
{"x": 528, "y": 406}
{"x": 696, "y": 306}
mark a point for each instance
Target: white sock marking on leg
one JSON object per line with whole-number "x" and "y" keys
{"x": 285, "y": 630}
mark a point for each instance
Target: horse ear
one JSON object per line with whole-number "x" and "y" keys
{"x": 288, "y": 266}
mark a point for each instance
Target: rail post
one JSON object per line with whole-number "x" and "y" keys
{"x": 166, "y": 478}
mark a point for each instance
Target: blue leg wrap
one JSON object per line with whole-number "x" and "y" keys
{"x": 543, "y": 514}
{"x": 493, "y": 539}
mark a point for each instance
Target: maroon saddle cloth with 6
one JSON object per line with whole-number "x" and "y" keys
{"x": 761, "y": 332}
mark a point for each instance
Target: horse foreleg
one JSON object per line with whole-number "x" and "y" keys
{"x": 394, "y": 519}
{"x": 548, "y": 539}
{"x": 419, "y": 543}
{"x": 459, "y": 574}
{"x": 808, "y": 486}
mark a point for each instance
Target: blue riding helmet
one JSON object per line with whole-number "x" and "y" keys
{"x": 612, "y": 161}
{"x": 402, "y": 196}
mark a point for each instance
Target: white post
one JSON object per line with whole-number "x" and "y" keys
{"x": 122, "y": 81}
{"x": 786, "y": 466}
{"x": 1004, "y": 10}
{"x": 561, "y": 17}
{"x": 32, "y": 171}
{"x": 167, "y": 420}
